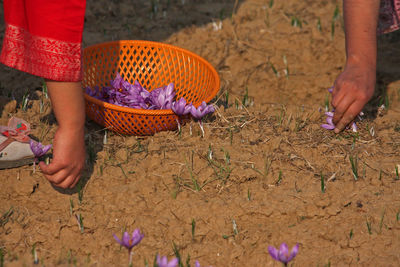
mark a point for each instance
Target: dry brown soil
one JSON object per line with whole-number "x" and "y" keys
{"x": 258, "y": 167}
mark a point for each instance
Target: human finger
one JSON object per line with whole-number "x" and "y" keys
{"x": 51, "y": 169}
{"x": 70, "y": 180}
{"x": 342, "y": 108}
{"x": 58, "y": 177}
{"x": 349, "y": 116}
{"x": 67, "y": 182}
{"x": 77, "y": 178}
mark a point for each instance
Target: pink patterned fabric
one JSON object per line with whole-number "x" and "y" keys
{"x": 389, "y": 16}
{"x": 17, "y": 129}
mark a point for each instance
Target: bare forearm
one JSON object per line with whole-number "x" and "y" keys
{"x": 68, "y": 104}
{"x": 361, "y": 18}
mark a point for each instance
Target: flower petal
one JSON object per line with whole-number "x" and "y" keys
{"x": 125, "y": 239}
{"x": 328, "y": 126}
{"x": 136, "y": 237}
{"x": 329, "y": 113}
{"x": 294, "y": 252}
{"x": 118, "y": 240}
{"x": 38, "y": 149}
{"x": 273, "y": 252}
{"x": 354, "y": 127}
{"x": 173, "y": 263}
{"x": 329, "y": 120}
{"x": 283, "y": 253}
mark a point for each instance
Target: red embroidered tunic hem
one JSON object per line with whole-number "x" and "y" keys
{"x": 44, "y": 38}
{"x": 48, "y": 58}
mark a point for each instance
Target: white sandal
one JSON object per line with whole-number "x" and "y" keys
{"x": 15, "y": 150}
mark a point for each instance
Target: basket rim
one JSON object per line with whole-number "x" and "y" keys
{"x": 150, "y": 111}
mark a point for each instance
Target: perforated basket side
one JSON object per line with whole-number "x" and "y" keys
{"x": 154, "y": 65}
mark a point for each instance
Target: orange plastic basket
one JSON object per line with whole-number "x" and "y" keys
{"x": 154, "y": 65}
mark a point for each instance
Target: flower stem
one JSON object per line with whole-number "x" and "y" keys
{"x": 130, "y": 258}
{"x": 201, "y": 128}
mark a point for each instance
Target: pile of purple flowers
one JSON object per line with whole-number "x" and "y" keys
{"x": 122, "y": 93}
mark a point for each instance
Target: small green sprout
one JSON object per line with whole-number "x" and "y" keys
{"x": 279, "y": 178}
{"x": 322, "y": 184}
{"x": 79, "y": 219}
{"x": 319, "y": 27}
{"x": 369, "y": 227}
{"x": 334, "y": 18}
{"x": 25, "y": 100}
{"x": 34, "y": 254}
{"x": 193, "y": 228}
{"x": 296, "y": 22}
{"x": 273, "y": 69}
{"x": 354, "y": 166}
{"x": 71, "y": 206}
{"x": 234, "y": 226}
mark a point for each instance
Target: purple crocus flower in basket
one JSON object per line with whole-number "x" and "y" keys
{"x": 163, "y": 98}
{"x": 116, "y": 83}
{"x": 283, "y": 254}
{"x": 163, "y": 262}
{"x": 91, "y": 92}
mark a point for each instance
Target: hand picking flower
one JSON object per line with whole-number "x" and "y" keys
{"x": 329, "y": 119}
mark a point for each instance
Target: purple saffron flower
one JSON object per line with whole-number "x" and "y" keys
{"x": 354, "y": 127}
{"x": 180, "y": 107}
{"x": 91, "y": 92}
{"x": 130, "y": 241}
{"x": 117, "y": 83}
{"x": 282, "y": 254}
{"x": 164, "y": 98}
{"x": 329, "y": 121}
{"x": 163, "y": 262}
{"x": 201, "y": 111}
{"x": 38, "y": 148}
{"x": 197, "y": 264}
